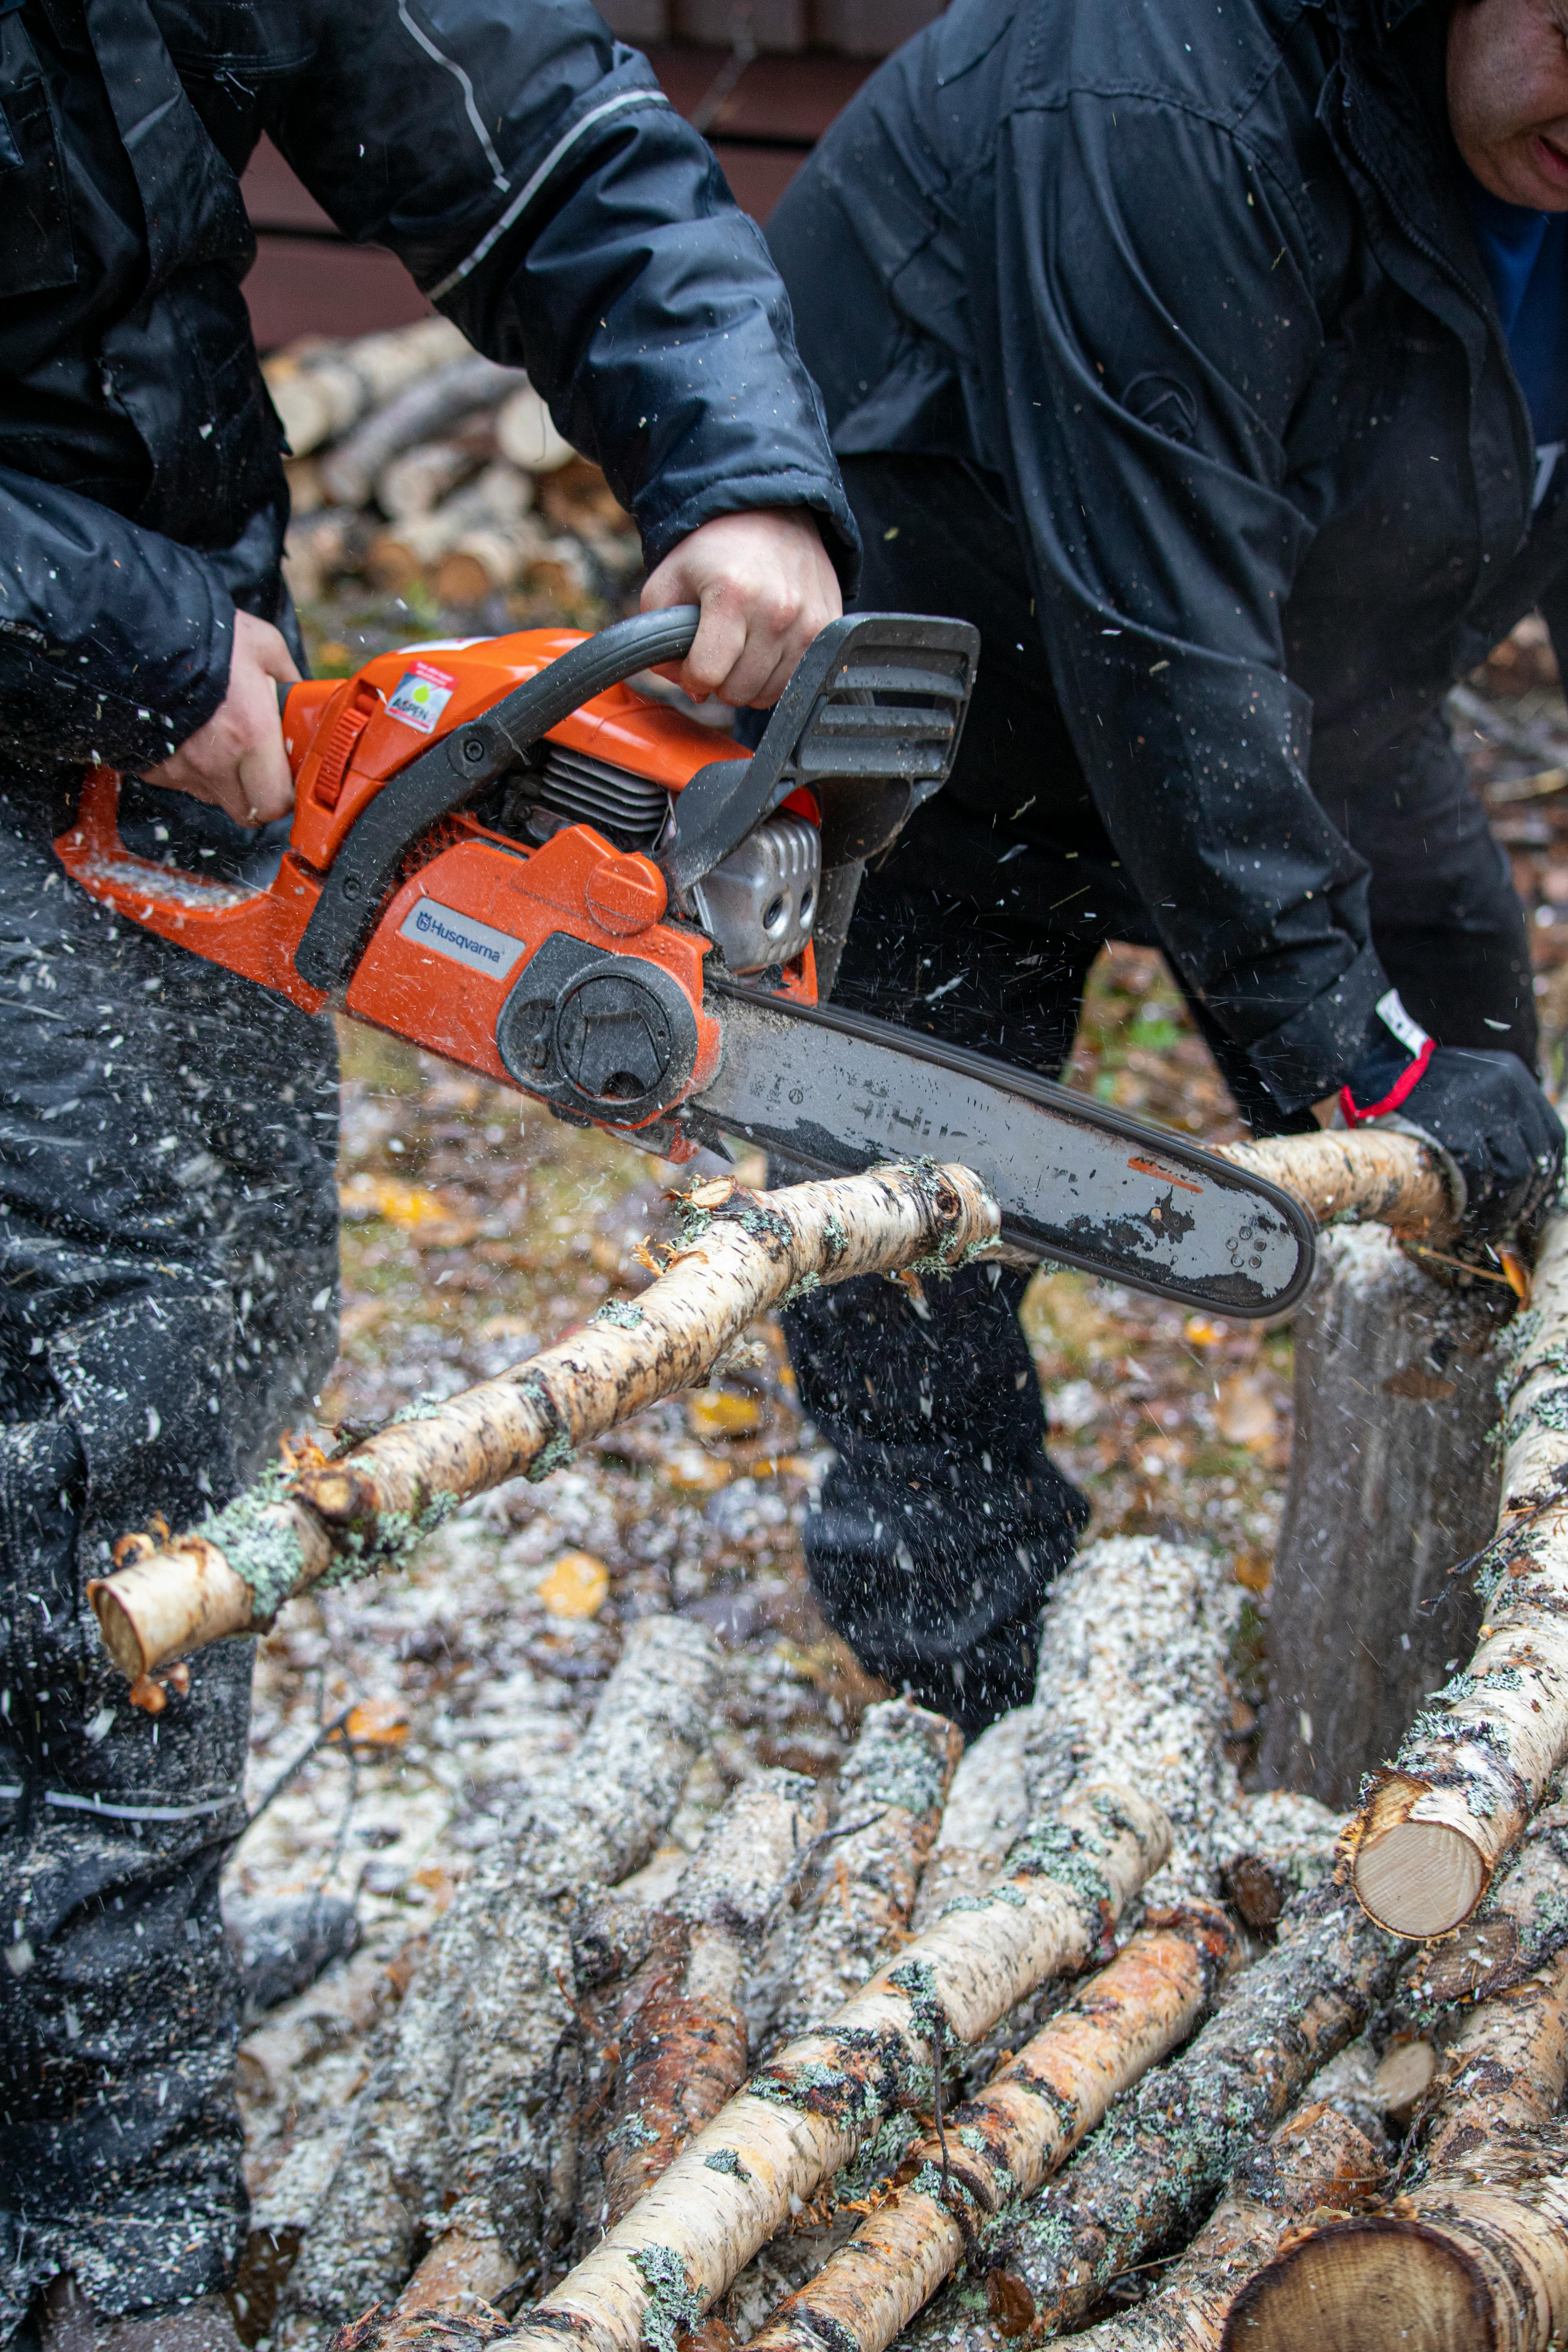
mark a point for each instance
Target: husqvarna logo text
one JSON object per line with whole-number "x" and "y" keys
{"x": 461, "y": 938}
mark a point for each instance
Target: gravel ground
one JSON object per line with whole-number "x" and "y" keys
{"x": 476, "y": 1230}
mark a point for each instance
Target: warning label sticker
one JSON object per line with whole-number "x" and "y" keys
{"x": 421, "y": 695}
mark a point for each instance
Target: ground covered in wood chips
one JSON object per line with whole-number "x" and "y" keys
{"x": 477, "y": 1230}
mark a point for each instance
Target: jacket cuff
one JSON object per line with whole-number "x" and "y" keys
{"x": 51, "y": 718}
{"x": 1311, "y": 1056}
{"x": 746, "y": 493}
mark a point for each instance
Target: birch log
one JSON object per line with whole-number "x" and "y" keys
{"x": 374, "y": 1506}
{"x": 1317, "y": 2158}
{"x": 420, "y": 412}
{"x": 1477, "y": 2257}
{"x": 470, "y": 2102}
{"x": 684, "y": 2053}
{"x": 1153, "y": 2168}
{"x": 1393, "y": 1481}
{"x": 1477, "y": 2262}
{"x": 1132, "y": 1681}
{"x": 322, "y": 393}
{"x": 811, "y": 2107}
{"x": 1477, "y": 1763}
{"x": 987, "y": 1810}
{"x": 1007, "y": 2141}
{"x": 1273, "y": 1846}
{"x": 1372, "y": 1176}
{"x": 891, "y": 1794}
{"x": 1521, "y": 1926}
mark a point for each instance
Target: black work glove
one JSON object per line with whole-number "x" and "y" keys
{"x": 1484, "y": 1112}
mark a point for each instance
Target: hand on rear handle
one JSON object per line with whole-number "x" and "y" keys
{"x": 237, "y": 761}
{"x": 767, "y": 589}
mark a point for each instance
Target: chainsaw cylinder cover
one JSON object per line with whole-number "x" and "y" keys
{"x": 759, "y": 903}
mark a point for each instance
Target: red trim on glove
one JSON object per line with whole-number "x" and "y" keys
{"x": 1404, "y": 1084}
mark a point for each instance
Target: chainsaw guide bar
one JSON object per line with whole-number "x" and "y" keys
{"x": 834, "y": 1092}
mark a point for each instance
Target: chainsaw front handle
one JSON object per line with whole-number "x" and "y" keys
{"x": 460, "y": 764}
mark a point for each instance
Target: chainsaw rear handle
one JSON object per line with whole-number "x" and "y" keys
{"x": 460, "y": 764}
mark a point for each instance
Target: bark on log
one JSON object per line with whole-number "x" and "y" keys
{"x": 988, "y": 1812}
{"x": 1372, "y": 1176}
{"x": 1479, "y": 1759}
{"x": 1272, "y": 1846}
{"x": 497, "y": 504}
{"x": 1478, "y": 2254}
{"x": 1477, "y": 2261}
{"x": 416, "y": 482}
{"x": 321, "y": 547}
{"x": 890, "y": 1800}
{"x": 684, "y": 2053}
{"x": 424, "y": 409}
{"x": 1008, "y": 2140}
{"x": 1316, "y": 2158}
{"x": 1132, "y": 1680}
{"x": 373, "y": 1507}
{"x": 525, "y": 431}
{"x": 811, "y": 2107}
{"x": 1153, "y": 2168}
{"x": 1522, "y": 1924}
{"x": 1393, "y": 1481}
{"x": 321, "y": 393}
{"x": 472, "y": 2091}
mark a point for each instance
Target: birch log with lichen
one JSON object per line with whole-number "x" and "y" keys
{"x": 890, "y": 1800}
{"x": 1371, "y": 1176}
{"x": 370, "y": 1508}
{"x": 987, "y": 1810}
{"x": 1476, "y": 2252}
{"x": 1152, "y": 2169}
{"x": 1008, "y": 2140}
{"x": 1479, "y": 1759}
{"x": 1317, "y": 2158}
{"x": 811, "y": 2107}
{"x": 683, "y": 2052}
{"x": 1133, "y": 1681}
{"x": 467, "y": 2121}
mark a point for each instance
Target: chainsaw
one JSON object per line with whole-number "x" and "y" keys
{"x": 513, "y": 854}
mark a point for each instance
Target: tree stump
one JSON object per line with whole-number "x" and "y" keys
{"x": 1393, "y": 1481}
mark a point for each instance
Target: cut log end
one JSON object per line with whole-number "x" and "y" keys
{"x": 1418, "y": 1878}
{"x": 1379, "y": 2281}
{"x": 155, "y": 1609}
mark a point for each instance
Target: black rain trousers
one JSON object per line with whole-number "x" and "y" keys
{"x": 942, "y": 1522}
{"x": 168, "y": 1303}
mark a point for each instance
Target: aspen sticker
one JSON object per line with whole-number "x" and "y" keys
{"x": 421, "y": 695}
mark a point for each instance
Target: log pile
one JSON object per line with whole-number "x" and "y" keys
{"x": 1077, "y": 2020}
{"x": 419, "y": 465}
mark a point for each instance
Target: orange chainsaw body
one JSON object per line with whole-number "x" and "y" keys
{"x": 346, "y": 739}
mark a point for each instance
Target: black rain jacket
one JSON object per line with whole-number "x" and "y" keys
{"x": 522, "y": 165}
{"x": 1195, "y": 279}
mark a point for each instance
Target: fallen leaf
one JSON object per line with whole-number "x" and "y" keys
{"x": 390, "y": 1197}
{"x": 578, "y": 1585}
{"x": 377, "y": 1723}
{"x": 1203, "y": 1333}
{"x": 1254, "y": 1571}
{"x": 697, "y": 1472}
{"x": 722, "y": 1412}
